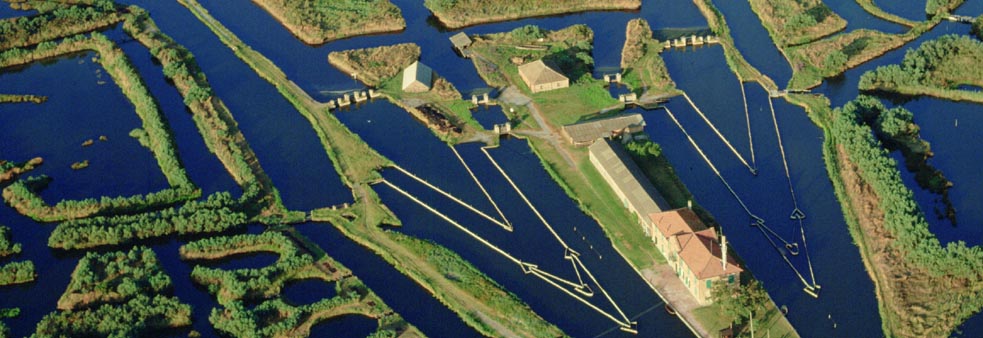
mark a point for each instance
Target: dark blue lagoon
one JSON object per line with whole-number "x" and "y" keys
{"x": 847, "y": 293}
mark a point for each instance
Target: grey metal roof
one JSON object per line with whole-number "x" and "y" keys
{"x": 461, "y": 40}
{"x": 628, "y": 177}
{"x": 591, "y": 130}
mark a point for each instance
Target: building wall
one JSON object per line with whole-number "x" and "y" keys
{"x": 549, "y": 86}
{"x": 643, "y": 220}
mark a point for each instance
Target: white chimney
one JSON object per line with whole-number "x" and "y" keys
{"x": 689, "y": 204}
{"x": 723, "y": 251}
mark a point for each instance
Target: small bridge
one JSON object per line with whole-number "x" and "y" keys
{"x": 960, "y": 18}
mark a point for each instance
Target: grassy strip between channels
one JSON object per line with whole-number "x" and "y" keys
{"x": 718, "y": 24}
{"x": 873, "y": 9}
{"x": 358, "y": 165}
{"x": 317, "y": 22}
{"x": 461, "y": 13}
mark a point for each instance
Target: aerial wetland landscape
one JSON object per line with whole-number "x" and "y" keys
{"x": 491, "y": 168}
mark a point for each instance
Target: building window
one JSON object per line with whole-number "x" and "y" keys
{"x": 730, "y": 279}
{"x": 708, "y": 284}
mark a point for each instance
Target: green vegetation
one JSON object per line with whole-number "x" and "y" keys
{"x": 936, "y": 7}
{"x": 139, "y": 316}
{"x": 116, "y": 294}
{"x": 11, "y": 98}
{"x": 645, "y": 71}
{"x": 80, "y": 165}
{"x": 455, "y": 14}
{"x": 874, "y": 10}
{"x": 352, "y": 158}
{"x": 15, "y": 272}
{"x": 320, "y": 21}
{"x": 7, "y": 313}
{"x": 211, "y": 116}
{"x": 61, "y": 22}
{"x": 738, "y": 302}
{"x": 7, "y": 246}
{"x": 10, "y": 170}
{"x": 218, "y": 213}
{"x": 23, "y": 196}
{"x": 909, "y": 266}
{"x": 497, "y": 57}
{"x": 273, "y": 317}
{"x": 648, "y": 156}
{"x": 813, "y": 62}
{"x": 797, "y": 22}
{"x": 936, "y": 68}
{"x": 109, "y": 277}
{"x": 252, "y": 284}
{"x": 376, "y": 64}
{"x": 978, "y": 27}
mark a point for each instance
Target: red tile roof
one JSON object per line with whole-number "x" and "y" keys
{"x": 697, "y": 245}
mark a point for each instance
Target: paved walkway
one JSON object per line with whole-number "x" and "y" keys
{"x": 664, "y": 280}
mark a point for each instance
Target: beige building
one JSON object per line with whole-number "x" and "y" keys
{"x": 417, "y": 78}
{"x": 627, "y": 180}
{"x": 539, "y": 77}
{"x": 586, "y": 133}
{"x": 694, "y": 252}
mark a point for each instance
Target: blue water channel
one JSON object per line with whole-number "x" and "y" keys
{"x": 293, "y": 157}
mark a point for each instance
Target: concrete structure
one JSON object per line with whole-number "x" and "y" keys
{"x": 586, "y": 133}
{"x": 694, "y": 252}
{"x": 461, "y": 42}
{"x": 417, "y": 78}
{"x": 626, "y": 179}
{"x": 540, "y": 77}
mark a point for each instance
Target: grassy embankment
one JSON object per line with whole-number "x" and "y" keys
{"x": 382, "y": 67}
{"x": 873, "y": 9}
{"x": 923, "y": 288}
{"x": 793, "y": 23}
{"x": 154, "y": 134}
{"x": 456, "y": 14}
{"x": 15, "y": 272}
{"x": 937, "y": 68}
{"x": 320, "y": 21}
{"x": 358, "y": 165}
{"x": 116, "y": 294}
{"x": 20, "y": 98}
{"x": 645, "y": 71}
{"x": 274, "y": 317}
{"x": 718, "y": 24}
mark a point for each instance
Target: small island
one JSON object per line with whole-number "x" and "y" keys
{"x": 116, "y": 294}
{"x": 938, "y": 68}
{"x": 320, "y": 21}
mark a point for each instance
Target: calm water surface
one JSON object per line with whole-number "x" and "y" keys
{"x": 294, "y": 158}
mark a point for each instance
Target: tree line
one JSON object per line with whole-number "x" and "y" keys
{"x": 218, "y": 213}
